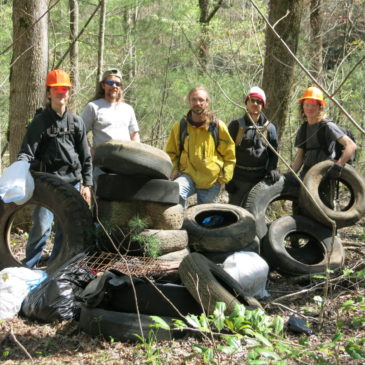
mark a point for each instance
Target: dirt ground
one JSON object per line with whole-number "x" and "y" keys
{"x": 26, "y": 342}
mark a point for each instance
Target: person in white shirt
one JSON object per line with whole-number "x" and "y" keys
{"x": 107, "y": 116}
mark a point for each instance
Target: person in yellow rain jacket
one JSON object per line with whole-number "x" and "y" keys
{"x": 201, "y": 150}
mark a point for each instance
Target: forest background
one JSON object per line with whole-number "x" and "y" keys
{"x": 166, "y": 47}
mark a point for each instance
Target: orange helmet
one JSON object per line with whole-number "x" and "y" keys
{"x": 58, "y": 77}
{"x": 313, "y": 93}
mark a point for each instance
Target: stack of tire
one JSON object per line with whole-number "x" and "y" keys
{"x": 303, "y": 244}
{"x": 136, "y": 184}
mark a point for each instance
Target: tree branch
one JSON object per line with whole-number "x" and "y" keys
{"x": 27, "y": 30}
{"x": 79, "y": 35}
{"x": 306, "y": 71}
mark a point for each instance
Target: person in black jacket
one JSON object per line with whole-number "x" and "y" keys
{"x": 56, "y": 141}
{"x": 255, "y": 160}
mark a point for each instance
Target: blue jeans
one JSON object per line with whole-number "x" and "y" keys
{"x": 187, "y": 188}
{"x": 42, "y": 220}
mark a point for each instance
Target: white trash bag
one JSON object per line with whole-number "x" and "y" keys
{"x": 16, "y": 183}
{"x": 15, "y": 284}
{"x": 250, "y": 270}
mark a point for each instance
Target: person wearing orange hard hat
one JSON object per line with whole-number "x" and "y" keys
{"x": 317, "y": 136}
{"x": 55, "y": 142}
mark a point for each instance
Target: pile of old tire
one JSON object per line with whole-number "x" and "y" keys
{"x": 303, "y": 244}
{"x": 136, "y": 184}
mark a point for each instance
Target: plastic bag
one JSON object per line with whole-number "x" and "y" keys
{"x": 15, "y": 284}
{"x": 250, "y": 270}
{"x": 55, "y": 299}
{"x": 16, "y": 183}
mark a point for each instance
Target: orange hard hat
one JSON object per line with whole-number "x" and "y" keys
{"x": 58, "y": 77}
{"x": 313, "y": 93}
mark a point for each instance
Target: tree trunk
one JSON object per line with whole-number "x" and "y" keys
{"x": 316, "y": 38}
{"x": 28, "y": 67}
{"x": 74, "y": 51}
{"x": 204, "y": 40}
{"x": 279, "y": 65}
{"x": 101, "y": 41}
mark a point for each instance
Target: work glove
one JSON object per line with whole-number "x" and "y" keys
{"x": 273, "y": 176}
{"x": 334, "y": 172}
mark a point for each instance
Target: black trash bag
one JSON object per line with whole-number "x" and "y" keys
{"x": 55, "y": 298}
{"x": 117, "y": 292}
{"x": 298, "y": 325}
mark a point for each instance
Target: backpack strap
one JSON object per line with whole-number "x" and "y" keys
{"x": 213, "y": 129}
{"x": 183, "y": 132}
{"x": 242, "y": 127}
{"x": 323, "y": 143}
{"x": 71, "y": 125}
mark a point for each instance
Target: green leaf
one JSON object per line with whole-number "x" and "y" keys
{"x": 337, "y": 337}
{"x": 355, "y": 351}
{"x": 159, "y": 323}
{"x": 348, "y": 272}
{"x": 208, "y": 355}
{"x": 193, "y": 321}
{"x": 234, "y": 342}
{"x": 278, "y": 325}
{"x": 268, "y": 354}
{"x": 178, "y": 323}
{"x": 218, "y": 315}
{"x": 262, "y": 339}
{"x": 318, "y": 300}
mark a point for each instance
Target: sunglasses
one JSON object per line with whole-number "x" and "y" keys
{"x": 257, "y": 101}
{"x": 112, "y": 83}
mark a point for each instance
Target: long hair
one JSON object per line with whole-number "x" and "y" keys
{"x": 100, "y": 93}
{"x": 207, "y": 115}
{"x": 321, "y": 114}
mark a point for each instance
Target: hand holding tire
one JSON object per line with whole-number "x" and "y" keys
{"x": 273, "y": 176}
{"x": 334, "y": 172}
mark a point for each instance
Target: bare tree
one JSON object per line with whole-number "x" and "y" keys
{"x": 279, "y": 65}
{"x": 74, "y": 51}
{"x": 130, "y": 25}
{"x": 206, "y": 16}
{"x": 28, "y": 67}
{"x": 101, "y": 41}
{"x": 316, "y": 38}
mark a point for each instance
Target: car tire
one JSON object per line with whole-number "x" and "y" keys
{"x": 118, "y": 187}
{"x": 312, "y": 257}
{"x": 120, "y": 326}
{"x": 343, "y": 218}
{"x": 132, "y": 158}
{"x": 263, "y": 194}
{"x": 208, "y": 283}
{"x": 70, "y": 210}
{"x": 235, "y": 233}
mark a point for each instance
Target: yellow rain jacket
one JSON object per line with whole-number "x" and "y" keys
{"x": 200, "y": 159}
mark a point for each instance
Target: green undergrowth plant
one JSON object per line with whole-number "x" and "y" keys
{"x": 150, "y": 348}
{"x": 262, "y": 339}
{"x": 151, "y": 244}
{"x": 129, "y": 239}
